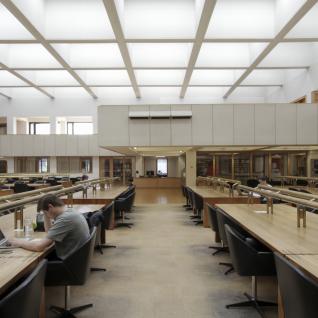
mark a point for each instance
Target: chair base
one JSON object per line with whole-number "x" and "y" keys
{"x": 63, "y": 313}
{"x": 198, "y": 222}
{"x": 107, "y": 246}
{"x": 195, "y": 217}
{"x": 252, "y": 302}
{"x": 98, "y": 269}
{"x": 231, "y": 268}
{"x": 219, "y": 249}
{"x": 129, "y": 225}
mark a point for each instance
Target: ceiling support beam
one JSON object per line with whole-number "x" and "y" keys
{"x": 220, "y": 68}
{"x": 25, "y": 80}
{"x": 158, "y": 85}
{"x": 176, "y": 40}
{"x": 301, "y": 12}
{"x": 113, "y": 16}
{"x": 205, "y": 18}
{"x": 14, "y": 10}
{"x": 5, "y": 96}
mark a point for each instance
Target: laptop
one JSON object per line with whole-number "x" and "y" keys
{"x": 4, "y": 243}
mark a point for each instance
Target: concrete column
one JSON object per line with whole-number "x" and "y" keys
{"x": 140, "y": 165}
{"x": 52, "y": 125}
{"x": 10, "y": 164}
{"x": 191, "y": 167}
{"x": 96, "y": 167}
{"x": 53, "y": 165}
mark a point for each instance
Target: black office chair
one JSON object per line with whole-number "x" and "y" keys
{"x": 72, "y": 271}
{"x": 215, "y": 228}
{"x": 250, "y": 258}
{"x": 252, "y": 183}
{"x": 221, "y": 221}
{"x": 107, "y": 211}
{"x": 20, "y": 187}
{"x": 96, "y": 219}
{"x": 198, "y": 207}
{"x": 299, "y": 292}
{"x": 122, "y": 206}
{"x": 24, "y": 300}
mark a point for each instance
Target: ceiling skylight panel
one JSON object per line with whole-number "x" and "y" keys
{"x": 242, "y": 19}
{"x": 160, "y": 92}
{"x": 105, "y": 77}
{"x": 76, "y": 19}
{"x": 68, "y": 92}
{"x": 91, "y": 55}
{"x": 49, "y": 77}
{"x": 7, "y": 79}
{"x": 307, "y": 26}
{"x": 160, "y": 77}
{"x": 30, "y": 55}
{"x": 299, "y": 54}
{"x": 115, "y": 92}
{"x": 159, "y": 19}
{"x": 224, "y": 54}
{"x": 23, "y": 92}
{"x": 211, "y": 92}
{"x": 160, "y": 54}
{"x": 265, "y": 77}
{"x": 10, "y": 28}
{"x": 215, "y": 77}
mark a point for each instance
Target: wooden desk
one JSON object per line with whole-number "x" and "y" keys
{"x": 155, "y": 182}
{"x": 19, "y": 263}
{"x": 213, "y": 197}
{"x": 85, "y": 208}
{"x": 37, "y": 186}
{"x": 6, "y": 192}
{"x": 278, "y": 231}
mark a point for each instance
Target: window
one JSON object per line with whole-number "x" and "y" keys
{"x": 79, "y": 128}
{"x": 86, "y": 165}
{"x": 31, "y": 165}
{"x": 74, "y": 165}
{"x": 3, "y": 166}
{"x": 42, "y": 165}
{"x": 36, "y": 128}
{"x": 162, "y": 167}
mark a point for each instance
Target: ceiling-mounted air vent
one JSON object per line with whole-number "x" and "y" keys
{"x": 161, "y": 114}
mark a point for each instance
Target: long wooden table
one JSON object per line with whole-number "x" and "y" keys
{"x": 213, "y": 197}
{"x": 280, "y": 233}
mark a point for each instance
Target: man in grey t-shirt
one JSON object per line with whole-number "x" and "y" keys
{"x": 68, "y": 231}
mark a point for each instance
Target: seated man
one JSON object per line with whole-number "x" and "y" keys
{"x": 66, "y": 229}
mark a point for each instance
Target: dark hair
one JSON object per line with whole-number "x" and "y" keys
{"x": 263, "y": 178}
{"x": 43, "y": 203}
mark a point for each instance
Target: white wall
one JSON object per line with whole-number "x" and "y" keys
{"x": 240, "y": 124}
{"x": 150, "y": 163}
{"x": 297, "y": 83}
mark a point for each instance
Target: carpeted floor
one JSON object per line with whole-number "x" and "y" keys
{"x": 162, "y": 268}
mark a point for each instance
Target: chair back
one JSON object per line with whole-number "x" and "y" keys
{"x": 248, "y": 256}
{"x": 299, "y": 292}
{"x": 78, "y": 262}
{"x": 20, "y": 187}
{"x": 198, "y": 202}
{"x": 213, "y": 218}
{"x": 24, "y": 301}
{"x": 107, "y": 211}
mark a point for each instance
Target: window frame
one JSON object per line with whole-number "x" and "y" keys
{"x": 34, "y": 124}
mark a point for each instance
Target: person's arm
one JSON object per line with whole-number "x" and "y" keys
{"x": 47, "y": 222}
{"x": 34, "y": 246}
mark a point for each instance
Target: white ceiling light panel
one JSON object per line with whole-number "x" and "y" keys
{"x": 215, "y": 77}
{"x": 105, "y": 77}
{"x": 159, "y": 19}
{"x": 160, "y": 77}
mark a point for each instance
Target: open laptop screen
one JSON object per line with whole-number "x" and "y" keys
{"x": 2, "y": 237}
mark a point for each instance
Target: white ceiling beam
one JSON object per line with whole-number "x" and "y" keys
{"x": 143, "y": 85}
{"x": 176, "y": 40}
{"x": 25, "y": 80}
{"x": 113, "y": 16}
{"x": 304, "y": 67}
{"x": 301, "y": 12}
{"x": 14, "y": 10}
{"x": 5, "y": 96}
{"x": 205, "y": 18}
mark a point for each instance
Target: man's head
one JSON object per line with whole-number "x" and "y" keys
{"x": 51, "y": 205}
{"x": 263, "y": 180}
